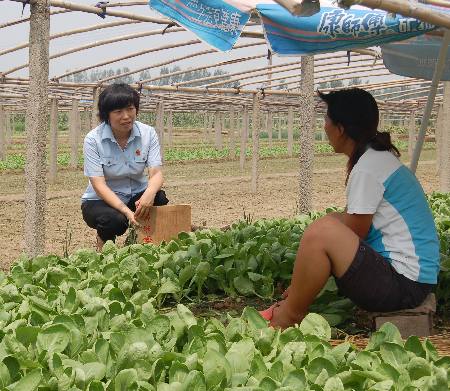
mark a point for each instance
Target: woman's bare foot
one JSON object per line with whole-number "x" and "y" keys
{"x": 283, "y": 317}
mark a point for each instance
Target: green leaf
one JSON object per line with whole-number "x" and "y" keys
{"x": 418, "y": 367}
{"x": 186, "y": 315}
{"x": 160, "y": 326}
{"x": 394, "y": 354}
{"x": 53, "y": 339}
{"x": 295, "y": 379}
{"x": 13, "y": 366}
{"x": 5, "y": 378}
{"x": 243, "y": 285}
{"x": 333, "y": 384}
{"x": 29, "y": 382}
{"x": 240, "y": 355}
{"x": 414, "y": 345}
{"x": 254, "y": 318}
{"x": 269, "y": 384}
{"x": 194, "y": 381}
{"x": 125, "y": 379}
{"x": 216, "y": 368}
{"x": 391, "y": 333}
{"x": 94, "y": 371}
{"x": 178, "y": 372}
{"x": 27, "y": 334}
{"x": 96, "y": 386}
{"x": 168, "y": 286}
{"x": 385, "y": 385}
{"x": 315, "y": 324}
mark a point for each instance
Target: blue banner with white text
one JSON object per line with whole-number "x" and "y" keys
{"x": 213, "y": 21}
{"x": 334, "y": 29}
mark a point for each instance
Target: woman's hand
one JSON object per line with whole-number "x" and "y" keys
{"x": 129, "y": 214}
{"x": 143, "y": 206}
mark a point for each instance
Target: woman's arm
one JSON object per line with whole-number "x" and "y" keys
{"x": 358, "y": 223}
{"x": 107, "y": 195}
{"x": 146, "y": 201}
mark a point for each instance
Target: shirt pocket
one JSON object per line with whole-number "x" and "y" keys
{"x": 108, "y": 161}
{"x": 140, "y": 159}
{"x": 111, "y": 168}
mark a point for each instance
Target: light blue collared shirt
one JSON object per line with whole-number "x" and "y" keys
{"x": 124, "y": 170}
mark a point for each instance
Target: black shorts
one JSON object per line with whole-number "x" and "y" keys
{"x": 374, "y": 285}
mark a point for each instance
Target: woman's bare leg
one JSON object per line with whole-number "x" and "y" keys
{"x": 327, "y": 247}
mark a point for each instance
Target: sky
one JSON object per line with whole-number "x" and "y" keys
{"x": 15, "y": 35}
{"x": 18, "y": 34}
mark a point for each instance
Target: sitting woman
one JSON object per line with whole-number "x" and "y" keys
{"x": 116, "y": 154}
{"x": 383, "y": 250}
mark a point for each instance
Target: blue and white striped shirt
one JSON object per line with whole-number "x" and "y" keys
{"x": 403, "y": 229}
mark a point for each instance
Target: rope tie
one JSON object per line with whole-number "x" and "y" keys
{"x": 24, "y": 4}
{"x": 172, "y": 24}
{"x": 102, "y": 5}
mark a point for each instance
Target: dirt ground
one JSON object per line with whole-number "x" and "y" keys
{"x": 219, "y": 193}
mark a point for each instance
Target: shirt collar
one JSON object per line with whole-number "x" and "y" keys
{"x": 107, "y": 132}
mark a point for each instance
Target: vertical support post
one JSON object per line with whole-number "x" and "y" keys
{"x": 306, "y": 135}
{"x": 444, "y": 172}
{"x": 11, "y": 128}
{"x": 205, "y": 127}
{"x": 94, "y": 114}
{"x": 74, "y": 133}
{"x": 160, "y": 126}
{"x": 243, "y": 138}
{"x": 438, "y": 132}
{"x": 53, "y": 140}
{"x": 2, "y": 132}
{"x": 280, "y": 126}
{"x": 290, "y": 130}
{"x": 218, "y": 129}
{"x": 269, "y": 128}
{"x": 255, "y": 141}
{"x": 411, "y": 133}
{"x": 7, "y": 131}
{"x": 430, "y": 100}
{"x": 170, "y": 127}
{"x": 36, "y": 128}
{"x": 86, "y": 122}
{"x": 231, "y": 132}
{"x": 211, "y": 132}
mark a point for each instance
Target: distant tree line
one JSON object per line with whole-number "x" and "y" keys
{"x": 97, "y": 74}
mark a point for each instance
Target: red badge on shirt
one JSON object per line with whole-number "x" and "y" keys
{"x": 138, "y": 152}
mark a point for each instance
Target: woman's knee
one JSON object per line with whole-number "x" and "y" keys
{"x": 115, "y": 223}
{"x": 321, "y": 230}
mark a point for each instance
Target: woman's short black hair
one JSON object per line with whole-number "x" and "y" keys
{"x": 116, "y": 96}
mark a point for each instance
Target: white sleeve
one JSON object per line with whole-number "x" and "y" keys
{"x": 364, "y": 193}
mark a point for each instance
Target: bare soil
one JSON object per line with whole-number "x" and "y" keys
{"x": 219, "y": 193}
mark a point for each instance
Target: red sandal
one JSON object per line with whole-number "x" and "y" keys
{"x": 268, "y": 313}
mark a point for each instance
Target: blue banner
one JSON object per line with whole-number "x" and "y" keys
{"x": 213, "y": 21}
{"x": 334, "y": 29}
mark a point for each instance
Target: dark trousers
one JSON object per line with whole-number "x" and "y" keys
{"x": 109, "y": 222}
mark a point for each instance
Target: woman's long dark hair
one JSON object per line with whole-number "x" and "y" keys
{"x": 357, "y": 112}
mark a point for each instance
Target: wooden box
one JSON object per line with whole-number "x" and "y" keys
{"x": 165, "y": 223}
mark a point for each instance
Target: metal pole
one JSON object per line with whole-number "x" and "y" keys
{"x": 430, "y": 101}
